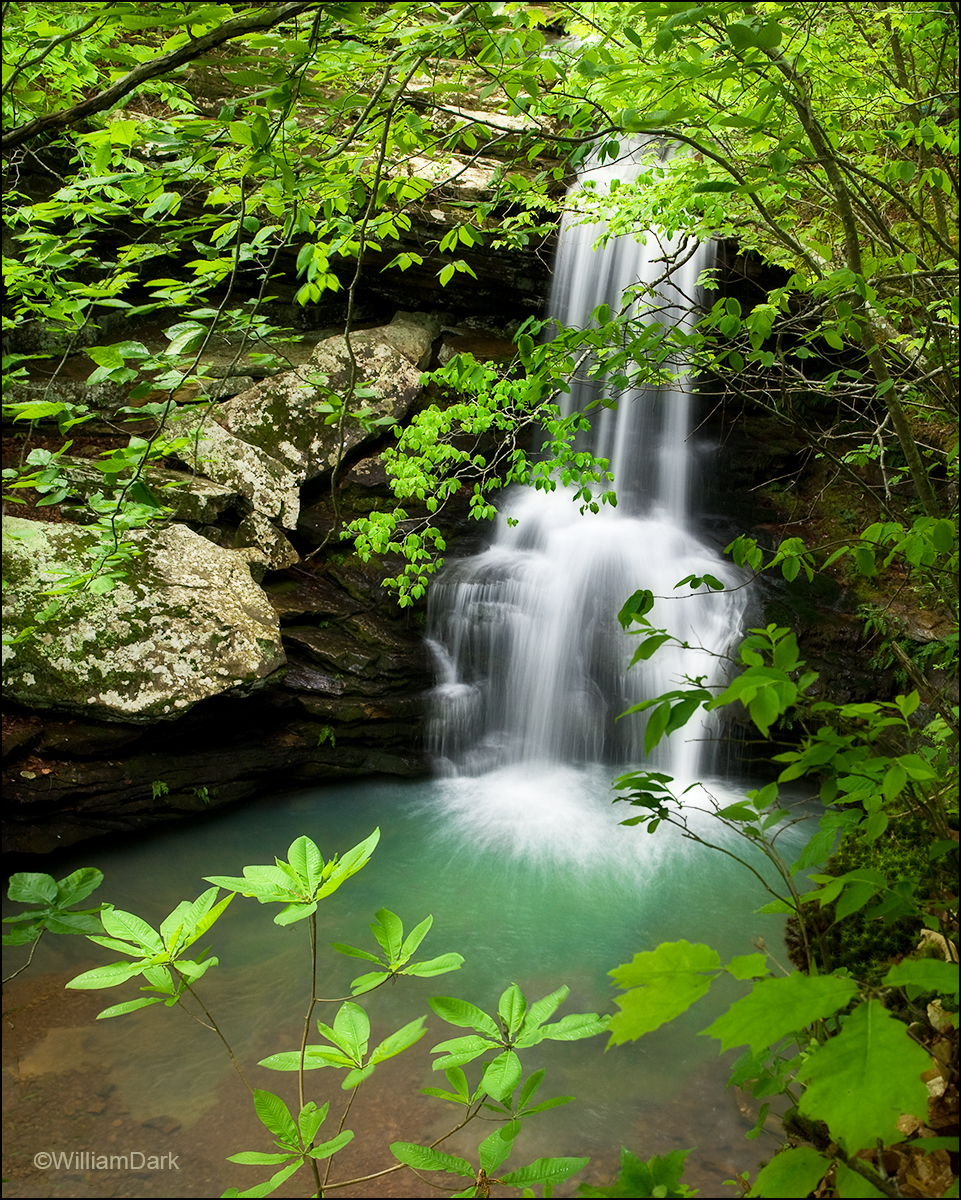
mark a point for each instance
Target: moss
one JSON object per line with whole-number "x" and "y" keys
{"x": 143, "y": 650}
{"x": 867, "y": 946}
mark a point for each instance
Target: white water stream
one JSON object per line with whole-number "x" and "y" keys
{"x": 532, "y": 664}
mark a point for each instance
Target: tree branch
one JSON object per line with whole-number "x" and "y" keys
{"x": 236, "y": 27}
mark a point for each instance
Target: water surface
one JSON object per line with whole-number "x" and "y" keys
{"x": 527, "y": 874}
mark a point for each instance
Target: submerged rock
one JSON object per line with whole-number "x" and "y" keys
{"x": 187, "y": 623}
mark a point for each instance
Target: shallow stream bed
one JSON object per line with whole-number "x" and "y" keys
{"x": 527, "y": 875}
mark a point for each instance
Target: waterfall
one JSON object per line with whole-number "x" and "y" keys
{"x": 531, "y": 662}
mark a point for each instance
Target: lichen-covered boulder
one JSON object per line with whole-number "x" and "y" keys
{"x": 264, "y": 479}
{"x": 294, "y": 416}
{"x": 187, "y": 623}
{"x": 283, "y": 431}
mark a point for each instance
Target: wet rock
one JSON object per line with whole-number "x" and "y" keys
{"x": 289, "y": 416}
{"x": 305, "y": 677}
{"x": 333, "y": 649}
{"x": 485, "y": 347}
{"x": 309, "y": 595}
{"x": 222, "y": 389}
{"x": 191, "y": 497}
{"x": 187, "y": 622}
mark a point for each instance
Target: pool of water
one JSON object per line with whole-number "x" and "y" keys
{"x": 527, "y": 874}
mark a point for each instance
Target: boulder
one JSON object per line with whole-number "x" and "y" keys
{"x": 293, "y": 417}
{"x": 257, "y": 532}
{"x": 187, "y": 623}
{"x": 283, "y": 431}
{"x": 191, "y": 497}
{"x": 268, "y": 483}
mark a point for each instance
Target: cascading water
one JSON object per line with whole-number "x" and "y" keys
{"x": 517, "y": 850}
{"x": 532, "y": 663}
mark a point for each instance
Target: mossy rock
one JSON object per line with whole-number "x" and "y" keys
{"x": 188, "y": 622}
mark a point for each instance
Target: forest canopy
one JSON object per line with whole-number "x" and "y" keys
{"x": 822, "y": 138}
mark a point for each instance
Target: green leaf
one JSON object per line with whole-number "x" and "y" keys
{"x": 541, "y": 1010}
{"x": 777, "y": 1007}
{"x": 546, "y": 1171}
{"x": 315, "y": 1057}
{"x": 920, "y": 975}
{"x": 656, "y": 1177}
{"x": 185, "y": 338}
{"x": 351, "y": 1030}
{"x": 328, "y": 1149}
{"x": 297, "y": 911}
{"x": 861, "y": 1081}
{"x": 32, "y": 887}
{"x": 747, "y": 966}
{"x": 273, "y": 1113}
{"x": 502, "y": 1075}
{"x": 349, "y": 864}
{"x": 388, "y": 929}
{"x": 849, "y": 1184}
{"x": 461, "y": 1050}
{"x": 104, "y": 977}
{"x": 76, "y": 886}
{"x": 255, "y": 1158}
{"x": 356, "y": 1076}
{"x": 496, "y": 1147}
{"x": 271, "y": 1184}
{"x": 306, "y": 860}
{"x": 118, "y": 1010}
{"x": 649, "y": 647}
{"x": 671, "y": 978}
{"x": 399, "y": 1041}
{"x": 415, "y": 937}
{"x": 422, "y": 1158}
{"x": 309, "y": 1120}
{"x": 464, "y": 1014}
{"x": 434, "y": 966}
{"x": 511, "y": 1009}
{"x": 571, "y": 1028}
{"x": 353, "y": 952}
{"x": 636, "y": 608}
{"x": 366, "y": 983}
{"x": 765, "y": 708}
{"x": 794, "y": 1172}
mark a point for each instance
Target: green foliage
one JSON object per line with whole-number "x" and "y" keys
{"x": 830, "y": 1036}
{"x": 349, "y": 1037}
{"x": 658, "y": 1177}
{"x": 388, "y": 929}
{"x": 515, "y": 1028}
{"x": 300, "y": 883}
{"x": 51, "y": 902}
{"x": 492, "y": 1152}
{"x": 861, "y": 1081}
{"x": 158, "y": 956}
{"x": 294, "y": 1139}
{"x": 818, "y": 137}
{"x": 473, "y": 441}
{"x": 810, "y": 136}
